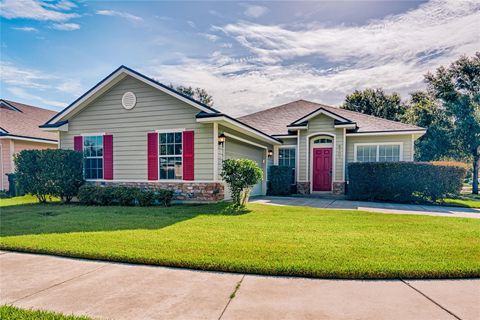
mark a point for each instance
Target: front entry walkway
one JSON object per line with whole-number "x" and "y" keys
{"x": 104, "y": 290}
{"x": 394, "y": 208}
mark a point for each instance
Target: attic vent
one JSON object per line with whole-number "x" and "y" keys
{"x": 129, "y": 100}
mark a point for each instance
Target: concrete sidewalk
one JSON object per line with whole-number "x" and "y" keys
{"x": 122, "y": 291}
{"x": 393, "y": 208}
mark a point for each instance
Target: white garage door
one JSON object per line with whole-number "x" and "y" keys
{"x": 237, "y": 150}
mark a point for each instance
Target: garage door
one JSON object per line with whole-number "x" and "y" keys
{"x": 237, "y": 150}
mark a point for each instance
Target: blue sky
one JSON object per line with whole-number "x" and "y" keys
{"x": 248, "y": 55}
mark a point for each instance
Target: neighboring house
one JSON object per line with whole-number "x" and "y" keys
{"x": 136, "y": 131}
{"x": 19, "y": 131}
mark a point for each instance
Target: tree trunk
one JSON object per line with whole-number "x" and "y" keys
{"x": 476, "y": 164}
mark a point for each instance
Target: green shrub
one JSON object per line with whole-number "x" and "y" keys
{"x": 163, "y": 197}
{"x": 105, "y": 196}
{"x": 52, "y": 172}
{"x": 280, "y": 181}
{"x": 403, "y": 181}
{"x": 241, "y": 175}
{"x": 88, "y": 194}
{"x": 125, "y": 196}
{"x": 4, "y": 194}
{"x": 145, "y": 197}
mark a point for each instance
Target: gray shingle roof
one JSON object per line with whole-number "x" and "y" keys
{"x": 274, "y": 121}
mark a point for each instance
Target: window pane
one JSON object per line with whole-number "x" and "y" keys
{"x": 178, "y": 137}
{"x": 163, "y": 137}
{"x": 170, "y": 137}
{"x": 170, "y": 150}
{"x": 93, "y": 157}
{"x": 178, "y": 149}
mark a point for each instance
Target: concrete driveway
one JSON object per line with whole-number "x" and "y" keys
{"x": 122, "y": 291}
{"x": 393, "y": 208}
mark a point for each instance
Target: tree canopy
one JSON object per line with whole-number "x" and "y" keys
{"x": 375, "y": 102}
{"x": 198, "y": 94}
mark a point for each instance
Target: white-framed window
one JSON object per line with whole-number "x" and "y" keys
{"x": 287, "y": 158}
{"x": 380, "y": 152}
{"x": 170, "y": 156}
{"x": 93, "y": 157}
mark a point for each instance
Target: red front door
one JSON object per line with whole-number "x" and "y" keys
{"x": 322, "y": 169}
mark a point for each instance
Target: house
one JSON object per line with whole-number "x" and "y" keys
{"x": 136, "y": 131}
{"x": 19, "y": 131}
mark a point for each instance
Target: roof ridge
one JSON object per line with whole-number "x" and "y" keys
{"x": 372, "y": 116}
{"x": 277, "y": 107}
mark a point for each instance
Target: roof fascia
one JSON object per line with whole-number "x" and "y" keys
{"x": 320, "y": 110}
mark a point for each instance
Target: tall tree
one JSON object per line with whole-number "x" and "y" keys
{"x": 425, "y": 111}
{"x": 458, "y": 88}
{"x": 198, "y": 94}
{"x": 375, "y": 102}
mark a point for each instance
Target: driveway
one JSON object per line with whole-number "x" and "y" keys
{"x": 106, "y": 290}
{"x": 393, "y": 208}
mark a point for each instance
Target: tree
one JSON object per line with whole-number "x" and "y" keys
{"x": 425, "y": 111}
{"x": 375, "y": 102}
{"x": 241, "y": 175}
{"x": 458, "y": 89}
{"x": 198, "y": 94}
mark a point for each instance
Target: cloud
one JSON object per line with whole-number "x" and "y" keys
{"x": 65, "y": 26}
{"x": 254, "y": 11}
{"x": 125, "y": 15}
{"x": 32, "y": 9}
{"x": 280, "y": 63}
{"x": 209, "y": 36}
{"x": 26, "y": 29}
{"x": 23, "y": 77}
{"x": 192, "y": 24}
{"x": 22, "y": 94}
{"x": 62, "y": 5}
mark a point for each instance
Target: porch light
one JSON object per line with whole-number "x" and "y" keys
{"x": 221, "y": 138}
{"x": 270, "y": 153}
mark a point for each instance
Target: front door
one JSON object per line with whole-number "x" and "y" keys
{"x": 322, "y": 169}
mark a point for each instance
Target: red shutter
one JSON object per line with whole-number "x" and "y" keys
{"x": 188, "y": 155}
{"x": 152, "y": 155}
{"x": 108, "y": 157}
{"x": 78, "y": 143}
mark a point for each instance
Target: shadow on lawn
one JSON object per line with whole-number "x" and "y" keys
{"x": 60, "y": 218}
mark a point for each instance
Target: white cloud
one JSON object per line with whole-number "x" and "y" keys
{"x": 32, "y": 9}
{"x": 124, "y": 15}
{"x": 26, "y": 29}
{"x": 326, "y": 63}
{"x": 72, "y": 87}
{"x": 192, "y": 24}
{"x": 209, "y": 36}
{"x": 23, "y": 77}
{"x": 254, "y": 11}
{"x": 22, "y": 94}
{"x": 65, "y": 26}
{"x": 62, "y": 5}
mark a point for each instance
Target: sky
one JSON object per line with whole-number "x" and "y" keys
{"x": 248, "y": 55}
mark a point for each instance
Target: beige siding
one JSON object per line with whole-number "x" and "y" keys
{"x": 316, "y": 126}
{"x": 405, "y": 140}
{"x": 154, "y": 110}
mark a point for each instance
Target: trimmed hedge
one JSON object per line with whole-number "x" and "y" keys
{"x": 124, "y": 196}
{"x": 280, "y": 181}
{"x": 403, "y": 181}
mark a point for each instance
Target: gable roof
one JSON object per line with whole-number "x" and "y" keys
{"x": 275, "y": 121}
{"x": 111, "y": 80}
{"x": 21, "y": 121}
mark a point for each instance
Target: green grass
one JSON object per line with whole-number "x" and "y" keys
{"x": 274, "y": 240}
{"x": 463, "y": 202}
{"x": 13, "y": 313}
{"x": 27, "y": 199}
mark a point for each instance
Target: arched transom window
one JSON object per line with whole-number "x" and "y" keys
{"x": 323, "y": 140}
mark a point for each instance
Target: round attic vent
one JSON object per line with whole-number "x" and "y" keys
{"x": 129, "y": 100}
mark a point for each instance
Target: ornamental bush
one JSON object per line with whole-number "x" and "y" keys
{"x": 52, "y": 172}
{"x": 280, "y": 181}
{"x": 241, "y": 175}
{"x": 121, "y": 195}
{"x": 403, "y": 181}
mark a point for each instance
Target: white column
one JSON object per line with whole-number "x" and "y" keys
{"x": 215, "y": 152}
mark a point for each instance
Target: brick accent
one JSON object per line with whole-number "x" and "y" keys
{"x": 303, "y": 187}
{"x": 338, "y": 188}
{"x": 183, "y": 191}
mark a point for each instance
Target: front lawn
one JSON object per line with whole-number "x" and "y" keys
{"x": 26, "y": 199}
{"x": 462, "y": 202}
{"x": 273, "y": 240}
{"x": 13, "y": 313}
